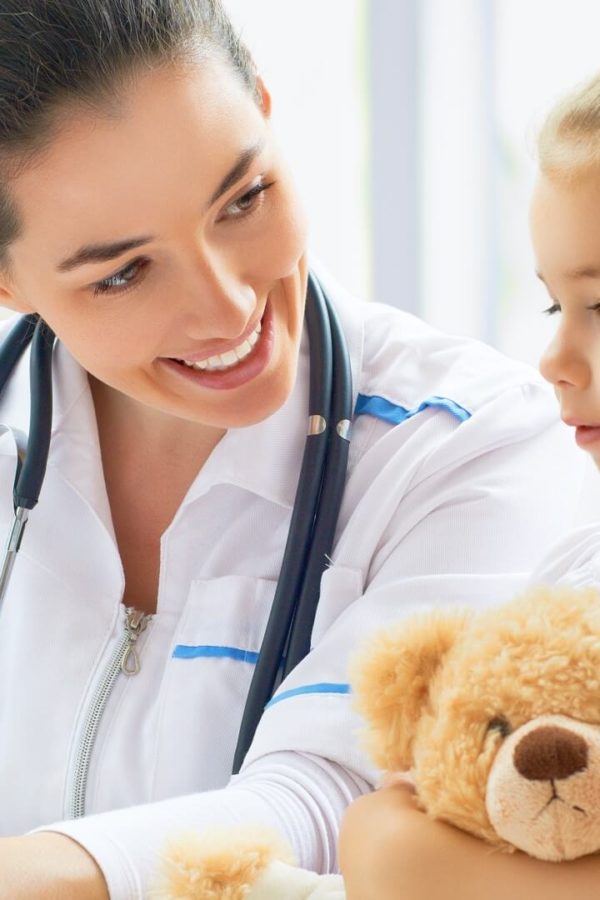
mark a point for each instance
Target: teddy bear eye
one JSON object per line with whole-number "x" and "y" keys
{"x": 499, "y": 723}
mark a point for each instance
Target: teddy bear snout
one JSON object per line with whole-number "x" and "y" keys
{"x": 550, "y": 753}
{"x": 543, "y": 788}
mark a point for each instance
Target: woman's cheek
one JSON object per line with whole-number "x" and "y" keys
{"x": 286, "y": 240}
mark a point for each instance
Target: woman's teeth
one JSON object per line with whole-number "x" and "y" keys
{"x": 229, "y": 359}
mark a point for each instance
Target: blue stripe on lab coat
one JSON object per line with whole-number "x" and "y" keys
{"x": 380, "y": 408}
{"x": 182, "y": 651}
{"x": 323, "y": 688}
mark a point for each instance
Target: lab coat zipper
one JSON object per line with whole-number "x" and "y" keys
{"x": 123, "y": 660}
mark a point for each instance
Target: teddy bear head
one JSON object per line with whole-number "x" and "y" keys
{"x": 497, "y": 715}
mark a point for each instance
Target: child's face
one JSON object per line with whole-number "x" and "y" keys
{"x": 565, "y": 226}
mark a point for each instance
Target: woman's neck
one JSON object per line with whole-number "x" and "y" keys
{"x": 125, "y": 424}
{"x": 149, "y": 461}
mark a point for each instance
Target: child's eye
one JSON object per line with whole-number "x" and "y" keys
{"x": 594, "y": 308}
{"x": 551, "y": 310}
{"x": 248, "y": 202}
{"x": 122, "y": 280}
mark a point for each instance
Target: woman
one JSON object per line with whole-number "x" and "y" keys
{"x": 148, "y": 218}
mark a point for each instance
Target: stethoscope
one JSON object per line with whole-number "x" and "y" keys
{"x": 316, "y": 506}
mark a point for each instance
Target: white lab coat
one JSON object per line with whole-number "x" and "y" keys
{"x": 452, "y": 505}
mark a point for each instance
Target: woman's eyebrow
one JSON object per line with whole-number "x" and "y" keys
{"x": 239, "y": 169}
{"x": 93, "y": 253}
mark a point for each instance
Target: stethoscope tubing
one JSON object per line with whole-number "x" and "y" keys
{"x": 31, "y": 470}
{"x": 31, "y": 477}
{"x": 310, "y": 537}
{"x": 330, "y": 498}
{"x": 33, "y": 458}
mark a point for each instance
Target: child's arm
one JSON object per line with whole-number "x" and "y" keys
{"x": 391, "y": 850}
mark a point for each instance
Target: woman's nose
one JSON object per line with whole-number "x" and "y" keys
{"x": 219, "y": 301}
{"x": 564, "y": 363}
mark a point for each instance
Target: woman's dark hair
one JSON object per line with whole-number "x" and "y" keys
{"x": 57, "y": 55}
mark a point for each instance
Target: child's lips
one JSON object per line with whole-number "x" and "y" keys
{"x": 587, "y": 434}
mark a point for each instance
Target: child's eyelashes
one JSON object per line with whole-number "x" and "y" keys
{"x": 555, "y": 308}
{"x": 551, "y": 310}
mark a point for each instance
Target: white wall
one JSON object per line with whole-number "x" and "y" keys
{"x": 311, "y": 54}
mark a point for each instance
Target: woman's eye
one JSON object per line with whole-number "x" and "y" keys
{"x": 595, "y": 307}
{"x": 248, "y": 202}
{"x": 551, "y": 309}
{"x": 121, "y": 280}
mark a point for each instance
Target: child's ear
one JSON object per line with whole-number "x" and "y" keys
{"x": 391, "y": 678}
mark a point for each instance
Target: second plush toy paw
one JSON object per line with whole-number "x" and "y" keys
{"x": 239, "y": 864}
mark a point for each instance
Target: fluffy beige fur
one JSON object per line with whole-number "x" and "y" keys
{"x": 205, "y": 867}
{"x": 444, "y": 691}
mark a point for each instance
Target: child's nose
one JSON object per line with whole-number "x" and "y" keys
{"x": 564, "y": 364}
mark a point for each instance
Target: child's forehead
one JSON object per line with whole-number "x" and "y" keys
{"x": 565, "y": 228}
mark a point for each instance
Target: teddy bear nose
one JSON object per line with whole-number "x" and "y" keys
{"x": 550, "y": 753}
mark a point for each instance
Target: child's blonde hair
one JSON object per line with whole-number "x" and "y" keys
{"x": 569, "y": 141}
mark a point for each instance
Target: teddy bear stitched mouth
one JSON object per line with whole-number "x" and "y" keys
{"x": 556, "y": 796}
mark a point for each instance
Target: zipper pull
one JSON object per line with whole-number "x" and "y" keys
{"x": 135, "y": 623}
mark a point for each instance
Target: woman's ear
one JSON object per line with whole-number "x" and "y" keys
{"x": 264, "y": 96}
{"x": 10, "y": 297}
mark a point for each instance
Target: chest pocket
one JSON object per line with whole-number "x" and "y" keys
{"x": 212, "y": 661}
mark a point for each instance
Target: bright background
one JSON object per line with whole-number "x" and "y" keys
{"x": 410, "y": 125}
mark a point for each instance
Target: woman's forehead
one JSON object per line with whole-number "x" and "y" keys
{"x": 175, "y": 138}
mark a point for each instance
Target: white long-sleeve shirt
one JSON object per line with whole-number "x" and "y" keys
{"x": 450, "y": 498}
{"x": 574, "y": 560}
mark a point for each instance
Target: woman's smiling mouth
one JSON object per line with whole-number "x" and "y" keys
{"x": 228, "y": 359}
{"x": 234, "y": 367}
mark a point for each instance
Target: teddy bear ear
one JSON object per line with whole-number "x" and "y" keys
{"x": 391, "y": 678}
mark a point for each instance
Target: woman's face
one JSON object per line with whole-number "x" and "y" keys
{"x": 565, "y": 226}
{"x": 188, "y": 180}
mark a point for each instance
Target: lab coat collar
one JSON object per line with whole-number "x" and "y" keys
{"x": 264, "y": 458}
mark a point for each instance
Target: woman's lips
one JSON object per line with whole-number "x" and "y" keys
{"x": 218, "y": 348}
{"x": 240, "y": 373}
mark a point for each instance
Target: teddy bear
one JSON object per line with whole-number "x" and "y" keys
{"x": 495, "y": 715}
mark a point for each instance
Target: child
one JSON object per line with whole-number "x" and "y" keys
{"x": 401, "y": 854}
{"x": 565, "y": 227}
